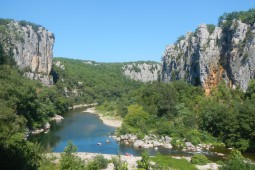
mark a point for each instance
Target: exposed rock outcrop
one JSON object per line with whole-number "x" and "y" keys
{"x": 210, "y": 55}
{"x": 144, "y": 72}
{"x": 31, "y": 47}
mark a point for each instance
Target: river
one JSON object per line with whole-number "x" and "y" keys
{"x": 86, "y": 130}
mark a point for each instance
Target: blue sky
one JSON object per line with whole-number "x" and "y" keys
{"x": 118, "y": 30}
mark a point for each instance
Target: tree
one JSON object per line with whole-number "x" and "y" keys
{"x": 144, "y": 162}
{"x": 68, "y": 160}
{"x": 18, "y": 153}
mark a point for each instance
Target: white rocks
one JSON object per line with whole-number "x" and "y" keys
{"x": 156, "y": 144}
{"x": 209, "y": 166}
{"x": 147, "y": 145}
{"x": 150, "y": 141}
{"x": 59, "y": 65}
{"x": 37, "y": 131}
{"x": 143, "y": 72}
{"x": 168, "y": 146}
{"x": 45, "y": 129}
{"x": 57, "y": 118}
{"x": 189, "y": 144}
{"x": 46, "y": 126}
{"x": 168, "y": 139}
{"x": 118, "y": 139}
{"x": 138, "y": 143}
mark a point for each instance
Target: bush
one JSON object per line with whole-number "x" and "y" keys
{"x": 70, "y": 161}
{"x": 167, "y": 162}
{"x": 199, "y": 159}
{"x": 237, "y": 162}
{"x": 99, "y": 162}
{"x": 144, "y": 162}
{"x": 210, "y": 28}
{"x": 118, "y": 164}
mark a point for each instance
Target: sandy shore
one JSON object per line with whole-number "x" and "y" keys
{"x": 82, "y": 106}
{"x": 110, "y": 121}
{"x": 131, "y": 160}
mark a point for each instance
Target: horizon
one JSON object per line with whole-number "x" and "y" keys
{"x": 113, "y": 32}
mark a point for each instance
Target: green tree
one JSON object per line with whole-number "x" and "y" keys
{"x": 69, "y": 161}
{"x": 18, "y": 153}
{"x": 144, "y": 162}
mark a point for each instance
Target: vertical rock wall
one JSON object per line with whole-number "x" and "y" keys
{"x": 205, "y": 58}
{"x": 31, "y": 46}
{"x": 144, "y": 72}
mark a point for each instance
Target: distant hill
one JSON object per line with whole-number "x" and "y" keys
{"x": 89, "y": 81}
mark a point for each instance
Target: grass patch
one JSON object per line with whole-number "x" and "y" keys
{"x": 169, "y": 162}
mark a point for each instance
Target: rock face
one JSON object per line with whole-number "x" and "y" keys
{"x": 31, "y": 46}
{"x": 205, "y": 58}
{"x": 143, "y": 72}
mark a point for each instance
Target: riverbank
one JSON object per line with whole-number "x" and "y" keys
{"x": 130, "y": 160}
{"x": 108, "y": 120}
{"x": 80, "y": 106}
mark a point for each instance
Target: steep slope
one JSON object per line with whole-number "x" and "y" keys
{"x": 211, "y": 54}
{"x": 31, "y": 47}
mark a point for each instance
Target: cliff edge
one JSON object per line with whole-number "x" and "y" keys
{"x": 31, "y": 46}
{"x": 214, "y": 53}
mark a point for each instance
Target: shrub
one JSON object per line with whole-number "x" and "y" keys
{"x": 199, "y": 159}
{"x": 237, "y": 162}
{"x": 144, "y": 162}
{"x": 167, "y": 162}
{"x": 99, "y": 162}
{"x": 70, "y": 161}
{"x": 118, "y": 164}
{"x": 210, "y": 28}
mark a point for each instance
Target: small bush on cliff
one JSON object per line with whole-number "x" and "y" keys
{"x": 210, "y": 28}
{"x": 182, "y": 37}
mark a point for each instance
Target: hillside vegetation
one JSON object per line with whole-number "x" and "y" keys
{"x": 88, "y": 82}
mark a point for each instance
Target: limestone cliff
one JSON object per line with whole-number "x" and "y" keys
{"x": 212, "y": 54}
{"x": 144, "y": 72}
{"x": 31, "y": 46}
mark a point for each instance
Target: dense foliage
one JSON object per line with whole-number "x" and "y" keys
{"x": 94, "y": 82}
{"x": 237, "y": 162}
{"x": 184, "y": 112}
{"x": 70, "y": 161}
{"x": 199, "y": 159}
{"x": 24, "y": 105}
{"x": 247, "y": 17}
